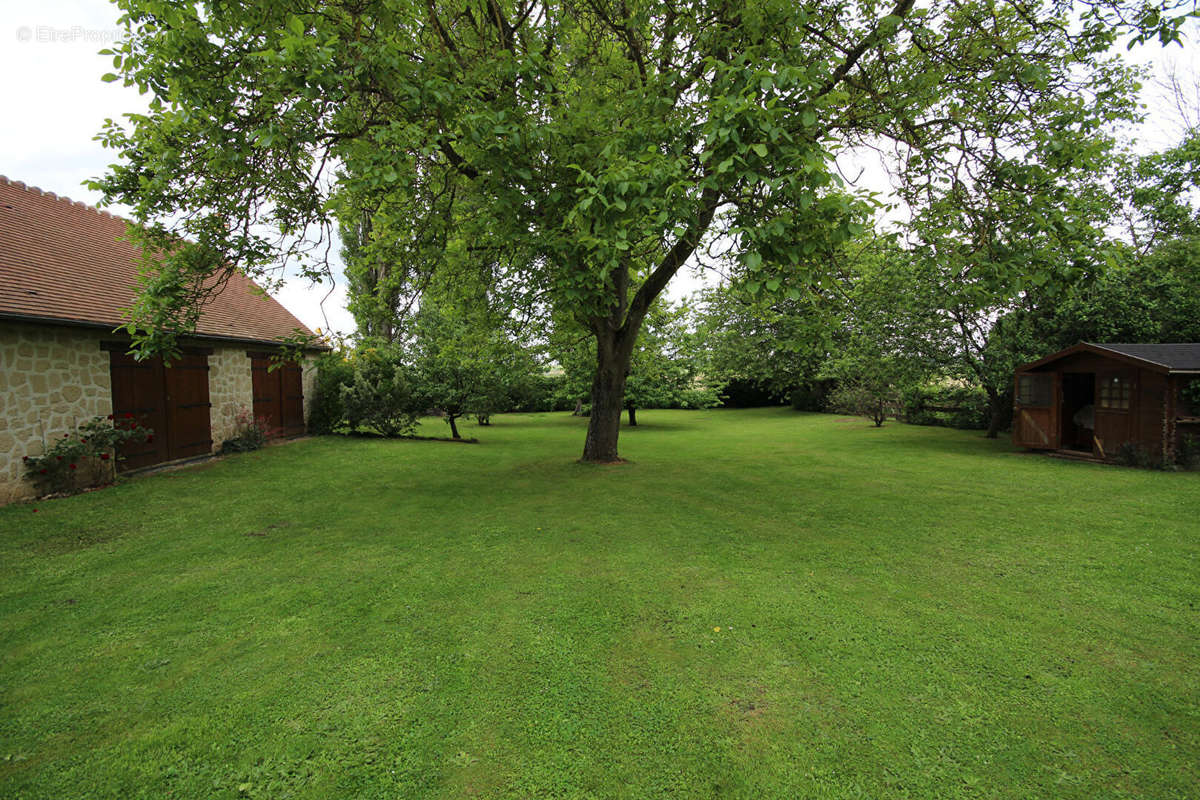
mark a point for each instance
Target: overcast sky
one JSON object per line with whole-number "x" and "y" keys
{"x": 55, "y": 103}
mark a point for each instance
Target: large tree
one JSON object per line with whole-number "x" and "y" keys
{"x": 665, "y": 368}
{"x": 596, "y": 144}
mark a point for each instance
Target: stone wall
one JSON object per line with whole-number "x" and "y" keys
{"x": 51, "y": 380}
{"x": 230, "y": 390}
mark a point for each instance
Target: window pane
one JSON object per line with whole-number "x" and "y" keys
{"x": 1034, "y": 390}
{"x": 1115, "y": 393}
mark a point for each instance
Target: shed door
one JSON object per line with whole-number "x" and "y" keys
{"x": 278, "y": 396}
{"x": 171, "y": 401}
{"x": 1035, "y": 411}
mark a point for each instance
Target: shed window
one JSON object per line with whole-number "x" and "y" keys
{"x": 1115, "y": 393}
{"x": 1033, "y": 391}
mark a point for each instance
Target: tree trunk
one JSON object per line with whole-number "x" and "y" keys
{"x": 632, "y": 417}
{"x": 453, "y": 427}
{"x": 608, "y": 398}
{"x": 995, "y": 414}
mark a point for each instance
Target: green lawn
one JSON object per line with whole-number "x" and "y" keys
{"x": 902, "y": 612}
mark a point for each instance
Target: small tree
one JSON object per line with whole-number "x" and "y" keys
{"x": 866, "y": 396}
{"x": 465, "y": 365}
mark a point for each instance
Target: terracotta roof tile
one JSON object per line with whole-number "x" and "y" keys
{"x": 64, "y": 260}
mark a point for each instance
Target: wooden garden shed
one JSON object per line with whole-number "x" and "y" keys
{"x": 1096, "y": 398}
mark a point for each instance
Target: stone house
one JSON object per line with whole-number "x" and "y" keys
{"x": 65, "y": 276}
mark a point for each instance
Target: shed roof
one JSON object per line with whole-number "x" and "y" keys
{"x": 62, "y": 261}
{"x": 1184, "y": 356}
{"x": 1176, "y": 357}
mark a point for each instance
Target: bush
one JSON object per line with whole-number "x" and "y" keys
{"x": 85, "y": 458}
{"x": 1191, "y": 395}
{"x": 740, "y": 393}
{"x": 963, "y": 407}
{"x": 1188, "y": 455}
{"x": 326, "y": 411}
{"x": 541, "y": 393}
{"x": 250, "y": 433}
{"x": 380, "y": 395}
{"x": 1131, "y": 454}
{"x": 704, "y": 396}
{"x": 812, "y": 397}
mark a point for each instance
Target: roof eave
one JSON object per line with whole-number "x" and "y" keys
{"x": 115, "y": 329}
{"x": 1088, "y": 347}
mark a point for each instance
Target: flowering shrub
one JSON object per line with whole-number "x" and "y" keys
{"x": 250, "y": 433}
{"x": 87, "y": 457}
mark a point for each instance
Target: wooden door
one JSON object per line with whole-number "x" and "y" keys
{"x": 189, "y": 430}
{"x": 291, "y": 392}
{"x": 137, "y": 390}
{"x": 1036, "y": 411}
{"x": 268, "y": 403}
{"x": 278, "y": 396}
{"x": 169, "y": 401}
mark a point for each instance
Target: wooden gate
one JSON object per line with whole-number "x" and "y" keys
{"x": 1035, "y": 411}
{"x": 172, "y": 401}
{"x": 278, "y": 395}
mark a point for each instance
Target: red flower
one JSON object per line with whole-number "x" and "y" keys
{"x": 43, "y": 472}
{"x": 24, "y": 458}
{"x": 128, "y": 415}
{"x": 60, "y": 458}
{"x": 110, "y": 416}
{"x": 149, "y": 439}
{"x": 104, "y": 456}
{"x": 72, "y": 466}
{"x": 83, "y": 441}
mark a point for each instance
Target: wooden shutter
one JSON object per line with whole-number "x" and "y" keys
{"x": 278, "y": 395}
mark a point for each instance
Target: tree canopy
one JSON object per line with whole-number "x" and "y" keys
{"x": 575, "y": 153}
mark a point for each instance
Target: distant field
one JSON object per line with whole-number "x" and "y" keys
{"x": 761, "y": 604}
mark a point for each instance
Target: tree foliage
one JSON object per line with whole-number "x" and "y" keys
{"x": 590, "y": 148}
{"x": 666, "y": 369}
